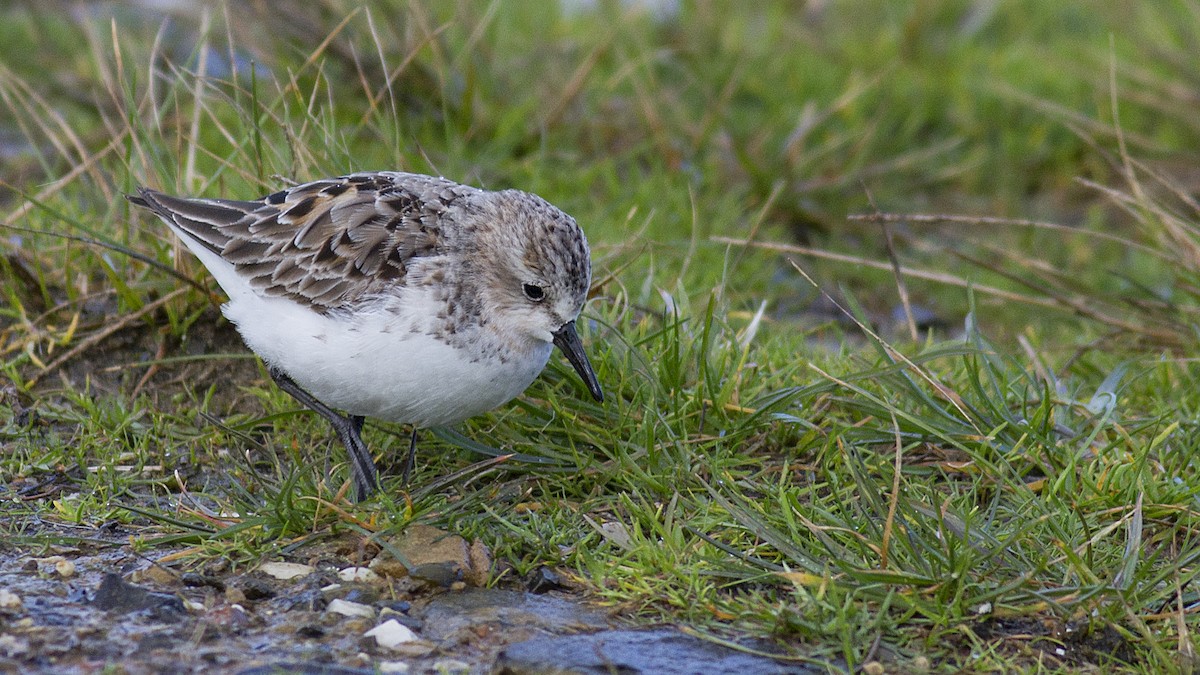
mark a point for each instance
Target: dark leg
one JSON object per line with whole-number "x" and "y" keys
{"x": 412, "y": 457}
{"x": 349, "y": 430}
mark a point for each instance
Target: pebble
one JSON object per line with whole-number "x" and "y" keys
{"x": 438, "y": 557}
{"x": 256, "y": 589}
{"x": 391, "y": 634}
{"x": 286, "y": 570}
{"x": 9, "y": 601}
{"x": 344, "y": 608}
{"x": 544, "y": 580}
{"x": 156, "y": 575}
{"x": 361, "y": 574}
{"x": 12, "y": 646}
{"x": 116, "y": 595}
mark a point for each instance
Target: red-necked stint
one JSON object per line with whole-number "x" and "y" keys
{"x": 397, "y": 296}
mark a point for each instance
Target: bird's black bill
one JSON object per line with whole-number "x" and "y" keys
{"x": 567, "y": 340}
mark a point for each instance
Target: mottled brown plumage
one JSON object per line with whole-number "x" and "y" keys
{"x": 327, "y": 243}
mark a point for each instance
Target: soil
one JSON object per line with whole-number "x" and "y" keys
{"x": 95, "y": 604}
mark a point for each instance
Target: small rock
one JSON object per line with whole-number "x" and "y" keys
{"x": 391, "y": 634}
{"x": 398, "y": 667}
{"x": 436, "y": 556}
{"x": 311, "y": 631}
{"x": 345, "y": 608}
{"x": 234, "y": 595}
{"x": 398, "y": 606}
{"x": 480, "y": 568}
{"x": 12, "y": 646}
{"x": 286, "y": 570}
{"x": 65, "y": 568}
{"x": 544, "y": 580}
{"x": 231, "y": 618}
{"x": 9, "y": 601}
{"x": 256, "y": 589}
{"x": 309, "y": 600}
{"x": 440, "y": 573}
{"x": 115, "y": 594}
{"x": 157, "y": 575}
{"x": 360, "y": 574}
{"x": 872, "y": 668}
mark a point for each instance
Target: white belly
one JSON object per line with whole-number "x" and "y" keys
{"x": 382, "y": 365}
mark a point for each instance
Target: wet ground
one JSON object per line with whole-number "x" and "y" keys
{"x": 97, "y": 605}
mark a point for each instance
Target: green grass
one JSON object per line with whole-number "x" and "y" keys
{"x": 973, "y": 499}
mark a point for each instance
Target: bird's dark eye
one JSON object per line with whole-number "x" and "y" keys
{"x": 534, "y": 292}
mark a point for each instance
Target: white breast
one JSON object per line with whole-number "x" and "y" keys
{"x": 382, "y": 364}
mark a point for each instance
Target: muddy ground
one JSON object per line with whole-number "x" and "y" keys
{"x": 98, "y": 605}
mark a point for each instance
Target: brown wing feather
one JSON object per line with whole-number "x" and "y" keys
{"x": 325, "y": 243}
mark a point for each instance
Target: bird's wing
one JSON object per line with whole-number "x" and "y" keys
{"x": 326, "y": 243}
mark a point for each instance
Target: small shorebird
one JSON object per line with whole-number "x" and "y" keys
{"x": 397, "y": 296}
